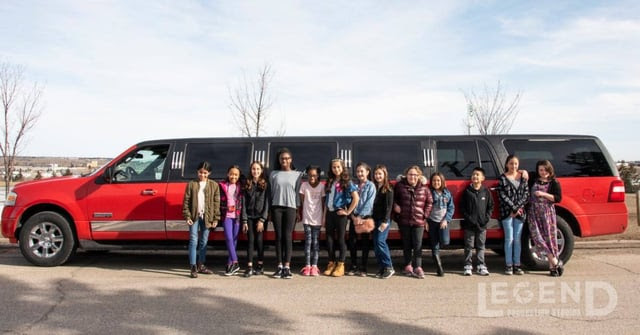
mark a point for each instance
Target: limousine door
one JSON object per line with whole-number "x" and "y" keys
{"x": 129, "y": 201}
{"x": 456, "y": 159}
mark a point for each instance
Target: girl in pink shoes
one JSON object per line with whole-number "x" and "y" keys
{"x": 231, "y": 210}
{"x": 412, "y": 206}
{"x": 312, "y": 198}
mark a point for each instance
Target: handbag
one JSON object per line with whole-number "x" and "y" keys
{"x": 363, "y": 225}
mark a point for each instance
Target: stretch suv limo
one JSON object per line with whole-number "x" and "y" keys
{"x": 135, "y": 200}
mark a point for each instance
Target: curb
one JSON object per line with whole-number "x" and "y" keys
{"x": 607, "y": 244}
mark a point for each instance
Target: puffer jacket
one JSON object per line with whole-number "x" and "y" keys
{"x": 415, "y": 203}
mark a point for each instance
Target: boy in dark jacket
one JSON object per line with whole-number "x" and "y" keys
{"x": 477, "y": 206}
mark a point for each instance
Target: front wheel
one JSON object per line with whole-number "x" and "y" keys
{"x": 537, "y": 260}
{"x": 46, "y": 239}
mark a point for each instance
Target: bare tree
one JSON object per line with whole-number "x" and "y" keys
{"x": 22, "y": 109}
{"x": 491, "y": 111}
{"x": 251, "y": 103}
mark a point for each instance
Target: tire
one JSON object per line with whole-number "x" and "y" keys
{"x": 538, "y": 261}
{"x": 46, "y": 239}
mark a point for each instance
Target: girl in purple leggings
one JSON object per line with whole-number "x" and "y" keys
{"x": 230, "y": 212}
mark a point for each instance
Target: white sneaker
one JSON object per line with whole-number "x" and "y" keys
{"x": 468, "y": 270}
{"x": 482, "y": 270}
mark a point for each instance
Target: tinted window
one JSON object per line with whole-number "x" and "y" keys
{"x": 220, "y": 155}
{"x": 143, "y": 165}
{"x": 487, "y": 162}
{"x": 396, "y": 155}
{"x": 305, "y": 154}
{"x": 457, "y": 159}
{"x": 570, "y": 158}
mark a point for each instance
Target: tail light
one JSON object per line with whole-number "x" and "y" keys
{"x": 616, "y": 191}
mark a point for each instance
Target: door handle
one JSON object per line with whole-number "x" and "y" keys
{"x": 149, "y": 192}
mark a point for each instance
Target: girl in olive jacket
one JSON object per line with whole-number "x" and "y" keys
{"x": 201, "y": 211}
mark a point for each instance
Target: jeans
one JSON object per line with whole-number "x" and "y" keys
{"x": 231, "y": 230}
{"x": 284, "y": 220}
{"x": 477, "y": 239}
{"x": 358, "y": 241}
{"x": 254, "y": 239}
{"x": 380, "y": 246}
{"x": 336, "y": 226}
{"x": 437, "y": 236}
{"x": 311, "y": 244}
{"x": 412, "y": 244}
{"x": 512, "y": 240}
{"x": 198, "y": 238}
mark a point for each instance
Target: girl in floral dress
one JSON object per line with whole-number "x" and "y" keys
{"x": 545, "y": 192}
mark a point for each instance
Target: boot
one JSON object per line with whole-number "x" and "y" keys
{"x": 194, "y": 271}
{"x": 439, "y": 270}
{"x": 339, "y": 270}
{"x": 330, "y": 267}
{"x": 203, "y": 269}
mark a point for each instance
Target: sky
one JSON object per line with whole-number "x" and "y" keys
{"x": 116, "y": 73}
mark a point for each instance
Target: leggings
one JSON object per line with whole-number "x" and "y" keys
{"x": 359, "y": 241}
{"x": 284, "y": 220}
{"x": 254, "y": 239}
{"x": 311, "y": 244}
{"x": 231, "y": 230}
{"x": 412, "y": 244}
{"x": 336, "y": 229}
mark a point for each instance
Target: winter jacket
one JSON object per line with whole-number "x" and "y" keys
{"x": 255, "y": 204}
{"x": 476, "y": 207}
{"x": 224, "y": 185}
{"x": 211, "y": 202}
{"x": 415, "y": 203}
{"x": 512, "y": 198}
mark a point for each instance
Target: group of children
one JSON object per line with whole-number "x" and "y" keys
{"x": 284, "y": 199}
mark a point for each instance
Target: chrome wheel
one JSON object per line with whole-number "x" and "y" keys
{"x": 45, "y": 240}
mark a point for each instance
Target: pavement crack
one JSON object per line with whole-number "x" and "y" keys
{"x": 614, "y": 265}
{"x": 45, "y": 316}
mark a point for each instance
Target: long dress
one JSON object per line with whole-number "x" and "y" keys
{"x": 542, "y": 221}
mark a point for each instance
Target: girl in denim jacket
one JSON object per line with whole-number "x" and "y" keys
{"x": 438, "y": 220}
{"x": 364, "y": 209}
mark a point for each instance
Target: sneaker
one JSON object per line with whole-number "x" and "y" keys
{"x": 468, "y": 270}
{"x": 259, "y": 270}
{"x": 286, "y": 273}
{"x": 554, "y": 273}
{"x": 379, "y": 273}
{"x": 518, "y": 270}
{"x": 560, "y": 268}
{"x": 408, "y": 270}
{"x": 314, "y": 271}
{"x": 363, "y": 272}
{"x": 482, "y": 270}
{"x": 418, "y": 273}
{"x": 306, "y": 271}
{"x": 227, "y": 268}
{"x": 248, "y": 272}
{"x": 278, "y": 273}
{"x": 203, "y": 269}
{"x": 387, "y": 273}
{"x": 508, "y": 270}
{"x": 353, "y": 270}
{"x": 235, "y": 267}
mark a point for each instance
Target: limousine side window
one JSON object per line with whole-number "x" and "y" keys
{"x": 304, "y": 154}
{"x": 457, "y": 159}
{"x": 395, "y": 155}
{"x": 143, "y": 165}
{"x": 570, "y": 157}
{"x": 220, "y": 155}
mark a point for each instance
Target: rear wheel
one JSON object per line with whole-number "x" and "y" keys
{"x": 46, "y": 239}
{"x": 535, "y": 259}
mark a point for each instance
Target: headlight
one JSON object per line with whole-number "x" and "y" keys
{"x": 11, "y": 199}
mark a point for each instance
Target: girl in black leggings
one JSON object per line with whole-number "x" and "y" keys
{"x": 254, "y": 216}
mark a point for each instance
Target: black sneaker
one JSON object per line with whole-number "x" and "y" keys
{"x": 259, "y": 270}
{"x": 227, "y": 268}
{"x": 388, "y": 272}
{"x": 278, "y": 273}
{"x": 517, "y": 270}
{"x": 560, "y": 268}
{"x": 248, "y": 272}
{"x": 286, "y": 273}
{"x": 235, "y": 267}
{"x": 554, "y": 273}
{"x": 380, "y": 273}
{"x": 353, "y": 270}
